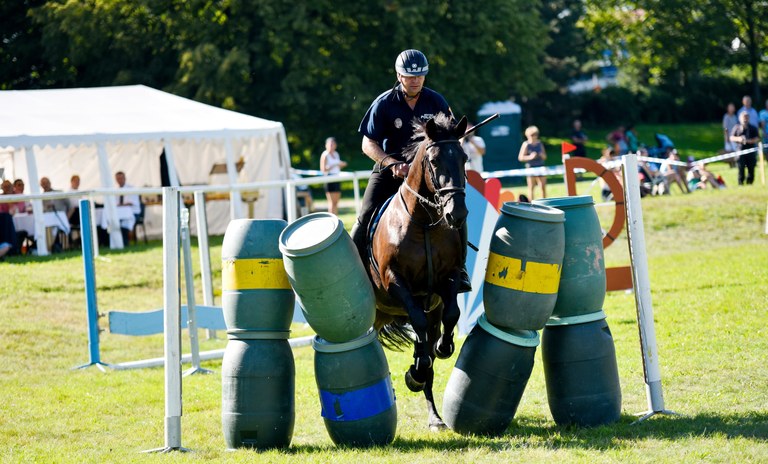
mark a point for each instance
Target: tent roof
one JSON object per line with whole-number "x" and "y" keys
{"x": 121, "y": 113}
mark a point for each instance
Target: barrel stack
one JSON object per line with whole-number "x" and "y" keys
{"x": 519, "y": 295}
{"x": 258, "y": 370}
{"x": 578, "y": 352}
{"x": 336, "y": 297}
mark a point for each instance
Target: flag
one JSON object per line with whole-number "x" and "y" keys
{"x": 568, "y": 147}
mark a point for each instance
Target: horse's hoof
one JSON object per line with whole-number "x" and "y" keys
{"x": 413, "y": 384}
{"x": 437, "y": 426}
{"x": 444, "y": 353}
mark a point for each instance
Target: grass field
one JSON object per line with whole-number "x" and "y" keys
{"x": 708, "y": 259}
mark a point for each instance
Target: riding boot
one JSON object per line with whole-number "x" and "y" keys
{"x": 465, "y": 284}
{"x": 358, "y": 238}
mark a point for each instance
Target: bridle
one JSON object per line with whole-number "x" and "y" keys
{"x": 439, "y": 192}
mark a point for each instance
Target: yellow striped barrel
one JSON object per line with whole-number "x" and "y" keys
{"x": 524, "y": 265}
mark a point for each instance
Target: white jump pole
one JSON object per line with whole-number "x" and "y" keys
{"x": 205, "y": 255}
{"x": 190, "y": 286}
{"x": 642, "y": 285}
{"x": 172, "y": 320}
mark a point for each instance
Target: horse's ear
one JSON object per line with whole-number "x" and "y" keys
{"x": 431, "y": 128}
{"x": 461, "y": 127}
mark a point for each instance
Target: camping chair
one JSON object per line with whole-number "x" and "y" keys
{"x": 140, "y": 223}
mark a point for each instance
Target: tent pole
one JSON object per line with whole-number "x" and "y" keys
{"x": 170, "y": 162}
{"x": 235, "y": 200}
{"x": 37, "y": 205}
{"x": 110, "y": 204}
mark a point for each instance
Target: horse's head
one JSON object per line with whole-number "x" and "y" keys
{"x": 444, "y": 167}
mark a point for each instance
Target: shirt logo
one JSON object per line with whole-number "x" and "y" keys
{"x": 398, "y": 123}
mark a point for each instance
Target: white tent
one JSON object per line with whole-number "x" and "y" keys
{"x": 95, "y": 132}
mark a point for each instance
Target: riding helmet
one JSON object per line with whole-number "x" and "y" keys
{"x": 412, "y": 63}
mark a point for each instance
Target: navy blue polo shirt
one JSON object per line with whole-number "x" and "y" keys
{"x": 389, "y": 120}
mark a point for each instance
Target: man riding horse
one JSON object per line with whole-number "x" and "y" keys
{"x": 387, "y": 129}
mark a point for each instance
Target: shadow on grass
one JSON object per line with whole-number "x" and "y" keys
{"x": 545, "y": 434}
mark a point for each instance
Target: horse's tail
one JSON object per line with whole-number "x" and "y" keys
{"x": 394, "y": 334}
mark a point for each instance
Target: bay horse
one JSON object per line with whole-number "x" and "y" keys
{"x": 416, "y": 254}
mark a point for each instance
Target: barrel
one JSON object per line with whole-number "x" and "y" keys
{"x": 356, "y": 395}
{"x": 581, "y": 373}
{"x": 582, "y": 280}
{"x": 256, "y": 294}
{"x": 330, "y": 282}
{"x": 523, "y": 273}
{"x": 487, "y": 383}
{"x": 258, "y": 390}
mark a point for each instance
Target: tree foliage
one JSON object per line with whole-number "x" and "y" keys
{"x": 315, "y": 66}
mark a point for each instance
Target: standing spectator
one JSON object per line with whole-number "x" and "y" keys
{"x": 745, "y": 136}
{"x": 474, "y": 147}
{"x": 746, "y": 100}
{"x": 729, "y": 120}
{"x": 763, "y": 118}
{"x": 578, "y": 138}
{"x": 330, "y": 164}
{"x": 533, "y": 154}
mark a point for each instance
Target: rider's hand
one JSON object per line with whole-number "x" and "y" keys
{"x": 401, "y": 170}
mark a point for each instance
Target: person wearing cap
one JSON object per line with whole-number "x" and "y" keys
{"x": 387, "y": 128}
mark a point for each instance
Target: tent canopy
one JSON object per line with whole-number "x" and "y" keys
{"x": 95, "y": 132}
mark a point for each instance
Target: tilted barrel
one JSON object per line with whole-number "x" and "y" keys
{"x": 258, "y": 391}
{"x": 523, "y": 271}
{"x": 487, "y": 383}
{"x": 356, "y": 395}
{"x": 582, "y": 280}
{"x": 581, "y": 373}
{"x": 256, "y": 294}
{"x": 328, "y": 277}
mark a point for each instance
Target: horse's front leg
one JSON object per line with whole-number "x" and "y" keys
{"x": 419, "y": 372}
{"x": 444, "y": 347}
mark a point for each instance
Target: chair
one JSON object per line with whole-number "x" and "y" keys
{"x": 140, "y": 223}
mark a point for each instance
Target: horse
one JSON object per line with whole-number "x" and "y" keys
{"x": 416, "y": 254}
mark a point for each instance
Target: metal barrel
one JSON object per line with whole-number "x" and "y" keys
{"x": 256, "y": 294}
{"x": 330, "y": 282}
{"x": 487, "y": 383}
{"x": 258, "y": 392}
{"x": 581, "y": 373}
{"x": 356, "y": 395}
{"x": 524, "y": 264}
{"x": 582, "y": 280}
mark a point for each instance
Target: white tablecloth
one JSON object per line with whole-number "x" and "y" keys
{"x": 26, "y": 222}
{"x": 124, "y": 214}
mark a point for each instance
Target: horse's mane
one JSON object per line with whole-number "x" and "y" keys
{"x": 443, "y": 122}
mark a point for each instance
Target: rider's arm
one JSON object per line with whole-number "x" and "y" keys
{"x": 373, "y": 150}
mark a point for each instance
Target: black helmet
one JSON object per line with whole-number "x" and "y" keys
{"x": 412, "y": 63}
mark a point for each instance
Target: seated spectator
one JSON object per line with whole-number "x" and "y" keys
{"x": 631, "y": 136}
{"x": 609, "y": 161}
{"x": 59, "y": 204}
{"x": 73, "y": 212}
{"x": 617, "y": 141}
{"x": 699, "y": 178}
{"x": 7, "y": 187}
{"x": 672, "y": 172}
{"x": 19, "y": 206}
{"x": 651, "y": 180}
{"x": 131, "y": 200}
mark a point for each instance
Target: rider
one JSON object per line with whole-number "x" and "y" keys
{"x": 387, "y": 130}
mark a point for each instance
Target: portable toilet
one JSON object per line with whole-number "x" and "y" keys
{"x": 502, "y": 136}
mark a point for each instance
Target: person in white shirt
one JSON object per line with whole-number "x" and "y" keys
{"x": 474, "y": 147}
{"x": 330, "y": 164}
{"x": 129, "y": 199}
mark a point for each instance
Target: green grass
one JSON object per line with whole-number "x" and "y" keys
{"x": 707, "y": 257}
